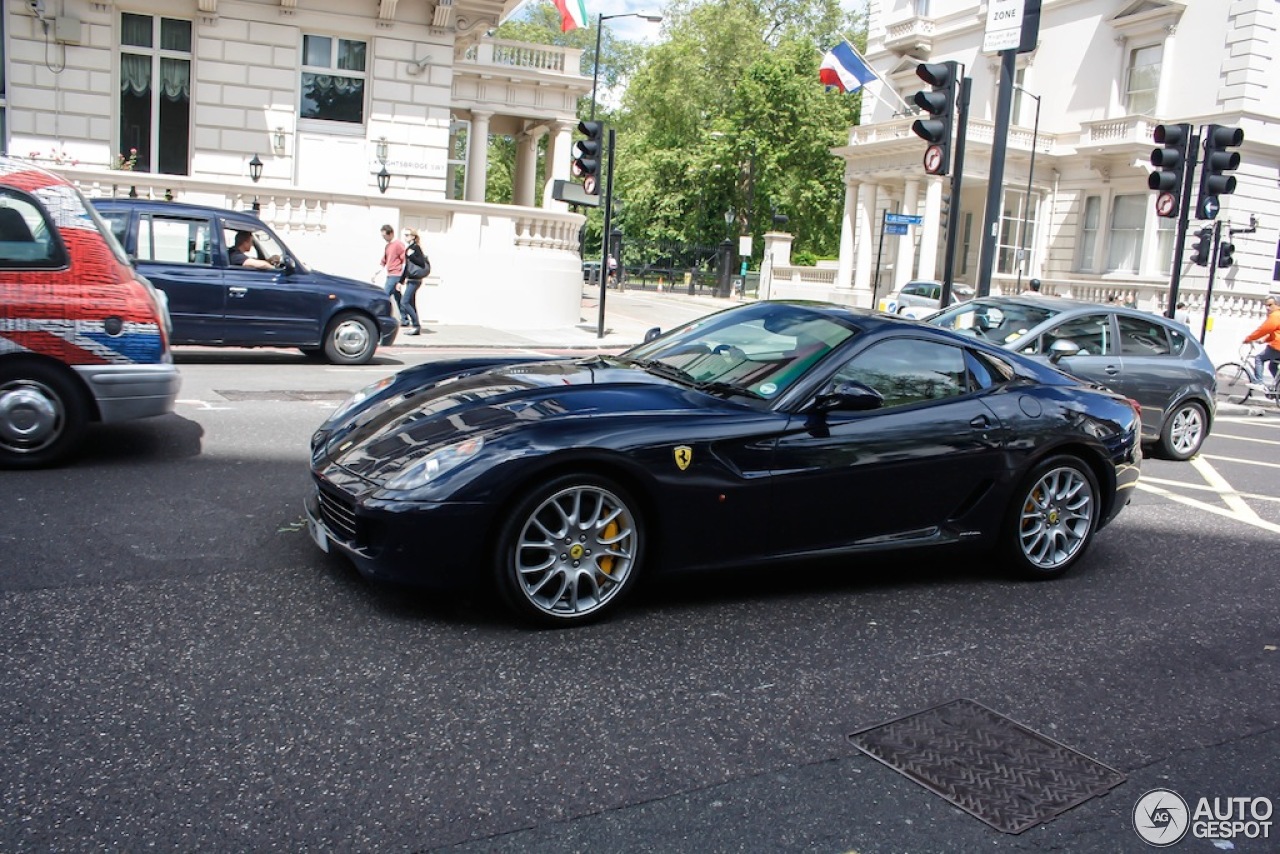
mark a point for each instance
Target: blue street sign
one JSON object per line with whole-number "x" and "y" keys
{"x": 895, "y": 228}
{"x": 903, "y": 219}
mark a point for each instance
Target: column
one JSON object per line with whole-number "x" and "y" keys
{"x": 559, "y": 153}
{"x": 902, "y": 267}
{"x": 930, "y": 229}
{"x": 844, "y": 268}
{"x": 478, "y": 155}
{"x": 864, "y": 253}
{"x": 522, "y": 191}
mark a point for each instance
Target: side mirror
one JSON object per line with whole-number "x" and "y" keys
{"x": 848, "y": 397}
{"x": 652, "y": 334}
{"x": 1062, "y": 348}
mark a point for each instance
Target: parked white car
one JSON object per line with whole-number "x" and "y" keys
{"x": 922, "y": 298}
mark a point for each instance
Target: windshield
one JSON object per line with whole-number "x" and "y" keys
{"x": 759, "y": 350}
{"x": 998, "y": 322}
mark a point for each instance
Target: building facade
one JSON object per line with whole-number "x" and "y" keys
{"x": 175, "y": 98}
{"x": 1103, "y": 74}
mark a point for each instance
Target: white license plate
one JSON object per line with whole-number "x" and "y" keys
{"x": 318, "y": 534}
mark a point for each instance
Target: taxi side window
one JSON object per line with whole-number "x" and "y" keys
{"x": 174, "y": 240}
{"x": 27, "y": 238}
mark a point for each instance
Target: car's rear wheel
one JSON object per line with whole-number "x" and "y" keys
{"x": 42, "y": 415}
{"x": 351, "y": 339}
{"x": 570, "y": 551}
{"x": 1184, "y": 431}
{"x": 1232, "y": 383}
{"x": 1052, "y": 518}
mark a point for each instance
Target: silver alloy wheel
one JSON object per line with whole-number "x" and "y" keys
{"x": 1057, "y": 517}
{"x": 32, "y": 416}
{"x": 350, "y": 338}
{"x": 1186, "y": 431}
{"x": 575, "y": 551}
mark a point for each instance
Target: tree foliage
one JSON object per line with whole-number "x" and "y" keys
{"x": 724, "y": 113}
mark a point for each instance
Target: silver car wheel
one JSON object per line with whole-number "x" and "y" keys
{"x": 1186, "y": 431}
{"x": 351, "y": 338}
{"x": 576, "y": 551}
{"x": 1057, "y": 518}
{"x": 32, "y": 416}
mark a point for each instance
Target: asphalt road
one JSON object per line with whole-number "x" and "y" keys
{"x": 184, "y": 670}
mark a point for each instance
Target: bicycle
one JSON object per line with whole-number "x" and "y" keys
{"x": 1236, "y": 381}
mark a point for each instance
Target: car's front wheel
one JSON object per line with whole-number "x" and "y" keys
{"x": 351, "y": 339}
{"x": 570, "y": 551}
{"x": 1052, "y": 518}
{"x": 42, "y": 415}
{"x": 1184, "y": 431}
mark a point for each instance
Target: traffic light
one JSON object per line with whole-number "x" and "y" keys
{"x": 1171, "y": 160}
{"x": 586, "y": 156}
{"x": 1226, "y": 254}
{"x": 1204, "y": 247}
{"x": 940, "y": 104}
{"x": 1217, "y": 161}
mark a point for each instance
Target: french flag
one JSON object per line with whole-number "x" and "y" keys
{"x": 844, "y": 69}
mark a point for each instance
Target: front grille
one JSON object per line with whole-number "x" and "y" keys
{"x": 339, "y": 515}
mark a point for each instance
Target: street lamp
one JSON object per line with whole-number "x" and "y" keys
{"x": 595, "y": 72}
{"x": 384, "y": 179}
{"x": 1031, "y": 171}
{"x": 255, "y": 172}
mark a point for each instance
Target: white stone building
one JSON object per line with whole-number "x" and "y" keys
{"x": 324, "y": 93}
{"x": 1106, "y": 72}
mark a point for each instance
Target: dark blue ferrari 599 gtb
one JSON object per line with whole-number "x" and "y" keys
{"x": 774, "y": 430}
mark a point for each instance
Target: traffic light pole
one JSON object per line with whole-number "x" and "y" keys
{"x": 1213, "y": 269}
{"x": 957, "y": 173}
{"x": 1180, "y": 242}
{"x": 604, "y": 235}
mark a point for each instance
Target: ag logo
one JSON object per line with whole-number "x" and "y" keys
{"x": 1161, "y": 818}
{"x": 683, "y": 455}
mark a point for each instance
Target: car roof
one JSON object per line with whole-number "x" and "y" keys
{"x": 1065, "y": 304}
{"x": 180, "y": 208}
{"x": 34, "y": 176}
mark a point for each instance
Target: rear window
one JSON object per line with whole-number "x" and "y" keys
{"x": 27, "y": 237}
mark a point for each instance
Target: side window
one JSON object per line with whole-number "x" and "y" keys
{"x": 27, "y": 239}
{"x": 1142, "y": 338}
{"x": 986, "y": 371}
{"x": 265, "y": 245}
{"x": 1179, "y": 342}
{"x": 908, "y": 371}
{"x": 170, "y": 240}
{"x": 118, "y": 222}
{"x": 1091, "y": 333}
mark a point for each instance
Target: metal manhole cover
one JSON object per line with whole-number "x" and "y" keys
{"x": 991, "y": 767}
{"x": 234, "y": 394}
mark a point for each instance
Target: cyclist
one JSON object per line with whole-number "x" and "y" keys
{"x": 1269, "y": 333}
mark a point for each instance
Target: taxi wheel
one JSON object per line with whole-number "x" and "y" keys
{"x": 1184, "y": 432}
{"x": 1052, "y": 518}
{"x": 351, "y": 339}
{"x": 43, "y": 414}
{"x": 569, "y": 552}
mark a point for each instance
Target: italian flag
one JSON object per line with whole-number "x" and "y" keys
{"x": 573, "y": 14}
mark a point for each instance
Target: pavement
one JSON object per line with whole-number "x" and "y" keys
{"x": 621, "y": 330}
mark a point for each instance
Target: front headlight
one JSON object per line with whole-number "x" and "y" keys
{"x": 434, "y": 464}
{"x": 358, "y": 398}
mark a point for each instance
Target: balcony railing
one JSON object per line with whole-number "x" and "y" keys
{"x": 913, "y": 37}
{"x": 548, "y": 59}
{"x": 1123, "y": 132}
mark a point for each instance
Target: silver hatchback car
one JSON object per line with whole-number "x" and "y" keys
{"x": 924, "y": 297}
{"x": 1148, "y": 358}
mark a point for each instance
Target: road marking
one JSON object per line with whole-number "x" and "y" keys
{"x": 1246, "y": 439}
{"x": 204, "y": 405}
{"x": 1236, "y": 507}
{"x": 1238, "y": 460}
{"x": 1182, "y": 484}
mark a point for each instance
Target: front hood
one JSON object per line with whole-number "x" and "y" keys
{"x": 381, "y": 440}
{"x": 359, "y": 289}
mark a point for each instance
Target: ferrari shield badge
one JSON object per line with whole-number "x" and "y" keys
{"x": 683, "y": 455}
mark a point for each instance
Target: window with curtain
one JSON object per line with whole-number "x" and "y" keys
{"x": 333, "y": 75}
{"x": 1124, "y": 244}
{"x": 1143, "y": 79}
{"x": 1087, "y": 259}
{"x": 155, "y": 94}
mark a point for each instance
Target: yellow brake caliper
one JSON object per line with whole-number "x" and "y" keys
{"x": 606, "y": 563}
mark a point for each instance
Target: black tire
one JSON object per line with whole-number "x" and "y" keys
{"x": 1052, "y": 518}
{"x": 1184, "y": 431}
{"x": 1232, "y": 383}
{"x": 569, "y": 552}
{"x": 350, "y": 339}
{"x": 43, "y": 414}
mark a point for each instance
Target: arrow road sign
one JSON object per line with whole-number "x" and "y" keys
{"x": 902, "y": 219}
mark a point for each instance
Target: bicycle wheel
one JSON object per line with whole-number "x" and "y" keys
{"x": 1233, "y": 383}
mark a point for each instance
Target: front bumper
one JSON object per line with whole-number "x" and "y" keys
{"x": 388, "y": 329}
{"x": 440, "y": 545}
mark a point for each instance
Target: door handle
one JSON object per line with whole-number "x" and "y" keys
{"x": 980, "y": 421}
{"x": 237, "y": 292}
{"x": 1111, "y": 370}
